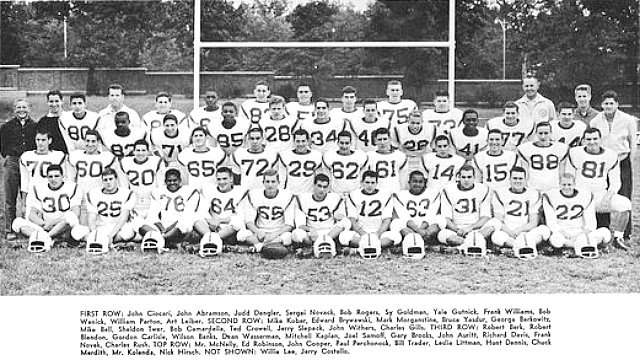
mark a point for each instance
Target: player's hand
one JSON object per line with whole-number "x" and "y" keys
{"x": 214, "y": 221}
{"x": 464, "y": 231}
{"x": 313, "y": 235}
{"x": 261, "y": 235}
{"x": 605, "y": 203}
{"x": 270, "y": 237}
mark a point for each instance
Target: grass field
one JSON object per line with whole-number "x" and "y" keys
{"x": 73, "y": 272}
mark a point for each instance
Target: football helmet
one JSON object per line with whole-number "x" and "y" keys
{"x": 210, "y": 245}
{"x": 152, "y": 240}
{"x": 324, "y": 247}
{"x": 475, "y": 245}
{"x": 369, "y": 247}
{"x": 413, "y": 246}
{"x": 39, "y": 241}
{"x": 585, "y": 248}
{"x": 524, "y": 249}
{"x": 97, "y": 243}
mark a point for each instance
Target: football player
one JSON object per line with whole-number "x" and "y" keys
{"x": 494, "y": 163}
{"x": 514, "y": 130}
{"x": 75, "y": 123}
{"x": 469, "y": 139}
{"x": 253, "y": 109}
{"x": 304, "y": 107}
{"x": 386, "y": 162}
{"x": 254, "y": 160}
{"x": 300, "y": 164}
{"x": 363, "y": 129}
{"x": 441, "y": 165}
{"x": 155, "y": 119}
{"x": 107, "y": 116}
{"x": 120, "y": 140}
{"x": 395, "y": 109}
{"x": 597, "y": 170}
{"x": 584, "y": 111}
{"x": 443, "y": 116}
{"x": 543, "y": 159}
{"x": 534, "y": 108}
{"x": 142, "y": 172}
{"x": 348, "y": 112}
{"x": 230, "y": 132}
{"x": 414, "y": 138}
{"x": 34, "y": 164}
{"x": 201, "y": 160}
{"x": 345, "y": 165}
{"x": 565, "y": 129}
{"x": 169, "y": 140}
{"x": 323, "y": 130}
{"x": 202, "y": 116}
{"x": 277, "y": 125}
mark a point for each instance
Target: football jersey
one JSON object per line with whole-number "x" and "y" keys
{"x": 169, "y": 147}
{"x": 53, "y": 203}
{"x": 222, "y": 204}
{"x": 270, "y": 213}
{"x": 495, "y": 168}
{"x": 319, "y": 215}
{"x": 387, "y": 166}
{"x": 300, "y": 111}
{"x": 593, "y": 171}
{"x": 122, "y": 146}
{"x": 88, "y": 167}
{"x": 515, "y": 207}
{"x": 200, "y": 117}
{"x": 253, "y": 110}
{"x": 324, "y": 136}
{"x": 443, "y": 121}
{"x": 142, "y": 177}
{"x": 106, "y": 118}
{"x": 416, "y": 143}
{"x": 424, "y": 206}
{"x": 575, "y": 211}
{"x": 465, "y": 207}
{"x": 341, "y": 115}
{"x": 74, "y": 129}
{"x": 300, "y": 169}
{"x": 396, "y": 113}
{"x": 512, "y": 136}
{"x": 468, "y": 146}
{"x": 363, "y": 132}
{"x": 441, "y": 170}
{"x": 370, "y": 210}
{"x": 201, "y": 165}
{"x": 109, "y": 207}
{"x": 253, "y": 165}
{"x": 345, "y": 169}
{"x": 229, "y": 139}
{"x": 34, "y": 166}
{"x": 168, "y": 207}
{"x": 544, "y": 164}
{"x": 279, "y": 133}
{"x": 571, "y": 136}
{"x": 152, "y": 120}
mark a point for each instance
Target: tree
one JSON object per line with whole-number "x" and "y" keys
{"x": 308, "y": 16}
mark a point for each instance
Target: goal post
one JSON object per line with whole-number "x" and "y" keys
{"x": 198, "y": 45}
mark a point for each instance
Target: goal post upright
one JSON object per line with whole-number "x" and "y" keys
{"x": 198, "y": 45}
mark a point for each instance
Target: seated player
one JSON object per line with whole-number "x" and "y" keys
{"x": 219, "y": 210}
{"x": 155, "y": 119}
{"x": 348, "y": 112}
{"x": 414, "y": 138}
{"x": 53, "y": 206}
{"x": 543, "y": 159}
{"x": 494, "y": 163}
{"x": 516, "y": 209}
{"x": 269, "y": 213}
{"x": 395, "y": 109}
{"x": 253, "y": 109}
{"x": 277, "y": 125}
{"x": 319, "y": 213}
{"x": 441, "y": 165}
{"x": 565, "y": 129}
{"x": 201, "y": 160}
{"x": 370, "y": 210}
{"x": 345, "y": 165}
{"x": 570, "y": 215}
{"x": 202, "y": 116}
{"x": 172, "y": 211}
{"x": 417, "y": 210}
{"x": 230, "y": 131}
{"x": 169, "y": 140}
{"x": 514, "y": 130}
{"x": 254, "y": 160}
{"x": 34, "y": 164}
{"x": 304, "y": 107}
{"x": 597, "y": 170}
{"x": 120, "y": 140}
{"x": 466, "y": 205}
{"x": 362, "y": 129}
{"x": 469, "y": 139}
{"x": 386, "y": 162}
{"x": 323, "y": 130}
{"x": 142, "y": 174}
{"x": 74, "y": 124}
{"x": 300, "y": 164}
{"x": 109, "y": 208}
{"x": 442, "y": 116}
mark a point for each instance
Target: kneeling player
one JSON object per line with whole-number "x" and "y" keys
{"x": 53, "y": 207}
{"x": 571, "y": 216}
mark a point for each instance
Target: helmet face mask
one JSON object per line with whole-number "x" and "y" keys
{"x": 526, "y": 253}
{"x": 37, "y": 246}
{"x": 413, "y": 246}
{"x": 153, "y": 240}
{"x": 96, "y": 244}
{"x": 324, "y": 247}
{"x": 39, "y": 242}
{"x": 369, "y": 246}
{"x": 210, "y": 245}
{"x": 475, "y": 245}
{"x": 589, "y": 252}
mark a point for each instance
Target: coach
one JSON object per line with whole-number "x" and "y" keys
{"x": 17, "y": 136}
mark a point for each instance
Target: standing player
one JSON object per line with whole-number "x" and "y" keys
{"x": 363, "y": 129}
{"x": 50, "y": 122}
{"x": 345, "y": 165}
{"x": 154, "y": 119}
{"x": 229, "y": 133}
{"x": 120, "y": 140}
{"x": 348, "y": 112}
{"x": 143, "y": 173}
{"x": 565, "y": 129}
{"x": 277, "y": 125}
{"x": 254, "y": 160}
{"x": 300, "y": 164}
{"x": 386, "y": 162}
{"x": 202, "y": 116}
{"x": 75, "y": 123}
{"x": 469, "y": 140}
{"x": 323, "y": 130}
{"x": 169, "y": 140}
{"x": 543, "y": 159}
{"x": 494, "y": 163}
{"x": 514, "y": 130}
{"x": 253, "y": 109}
{"x": 303, "y": 108}
{"x": 441, "y": 165}
{"x": 34, "y": 164}
{"x": 414, "y": 138}
{"x": 533, "y": 107}
{"x": 201, "y": 160}
{"x": 584, "y": 111}
{"x": 395, "y": 109}
{"x": 106, "y": 117}
{"x": 443, "y": 117}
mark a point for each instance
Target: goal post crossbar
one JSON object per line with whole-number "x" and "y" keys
{"x": 360, "y": 44}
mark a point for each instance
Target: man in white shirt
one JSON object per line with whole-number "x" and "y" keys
{"x": 533, "y": 106}
{"x": 106, "y": 117}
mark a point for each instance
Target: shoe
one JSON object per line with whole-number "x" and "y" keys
{"x": 304, "y": 254}
{"x": 396, "y": 250}
{"x": 621, "y": 243}
{"x": 11, "y": 236}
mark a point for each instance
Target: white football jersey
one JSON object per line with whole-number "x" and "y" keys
{"x": 414, "y": 143}
{"x": 301, "y": 111}
{"x": 74, "y": 129}
{"x": 109, "y": 207}
{"x": 153, "y": 119}
{"x": 34, "y": 166}
{"x": 424, "y": 206}
{"x": 300, "y": 169}
{"x": 570, "y": 136}
{"x": 168, "y": 207}
{"x": 514, "y": 208}
{"x": 575, "y": 211}
{"x": 593, "y": 171}
{"x": 443, "y": 121}
{"x": 387, "y": 166}
{"x": 169, "y": 147}
{"x": 396, "y": 113}
{"x": 341, "y": 115}
{"x": 495, "y": 169}
{"x": 345, "y": 169}
{"x": 201, "y": 166}
{"x": 230, "y": 139}
{"x": 512, "y": 135}
{"x": 320, "y": 215}
{"x": 253, "y": 165}
{"x": 253, "y": 110}
{"x": 465, "y": 207}
{"x": 441, "y": 170}
{"x": 142, "y": 177}
{"x": 88, "y": 167}
{"x": 122, "y": 146}
{"x": 53, "y": 202}
{"x": 362, "y": 132}
{"x": 370, "y": 210}
{"x": 468, "y": 146}
{"x": 324, "y": 136}
{"x": 544, "y": 164}
{"x": 270, "y": 213}
{"x": 200, "y": 117}
{"x": 279, "y": 133}
{"x": 222, "y": 204}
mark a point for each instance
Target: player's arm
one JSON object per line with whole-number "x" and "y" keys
{"x": 24, "y": 176}
{"x": 589, "y": 216}
{"x": 387, "y": 214}
{"x": 34, "y": 207}
{"x": 92, "y": 213}
{"x": 633, "y": 129}
{"x": 352, "y": 213}
{"x": 550, "y": 214}
{"x": 289, "y": 214}
{"x": 485, "y": 213}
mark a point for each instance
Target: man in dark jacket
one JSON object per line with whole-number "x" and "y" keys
{"x": 51, "y": 121}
